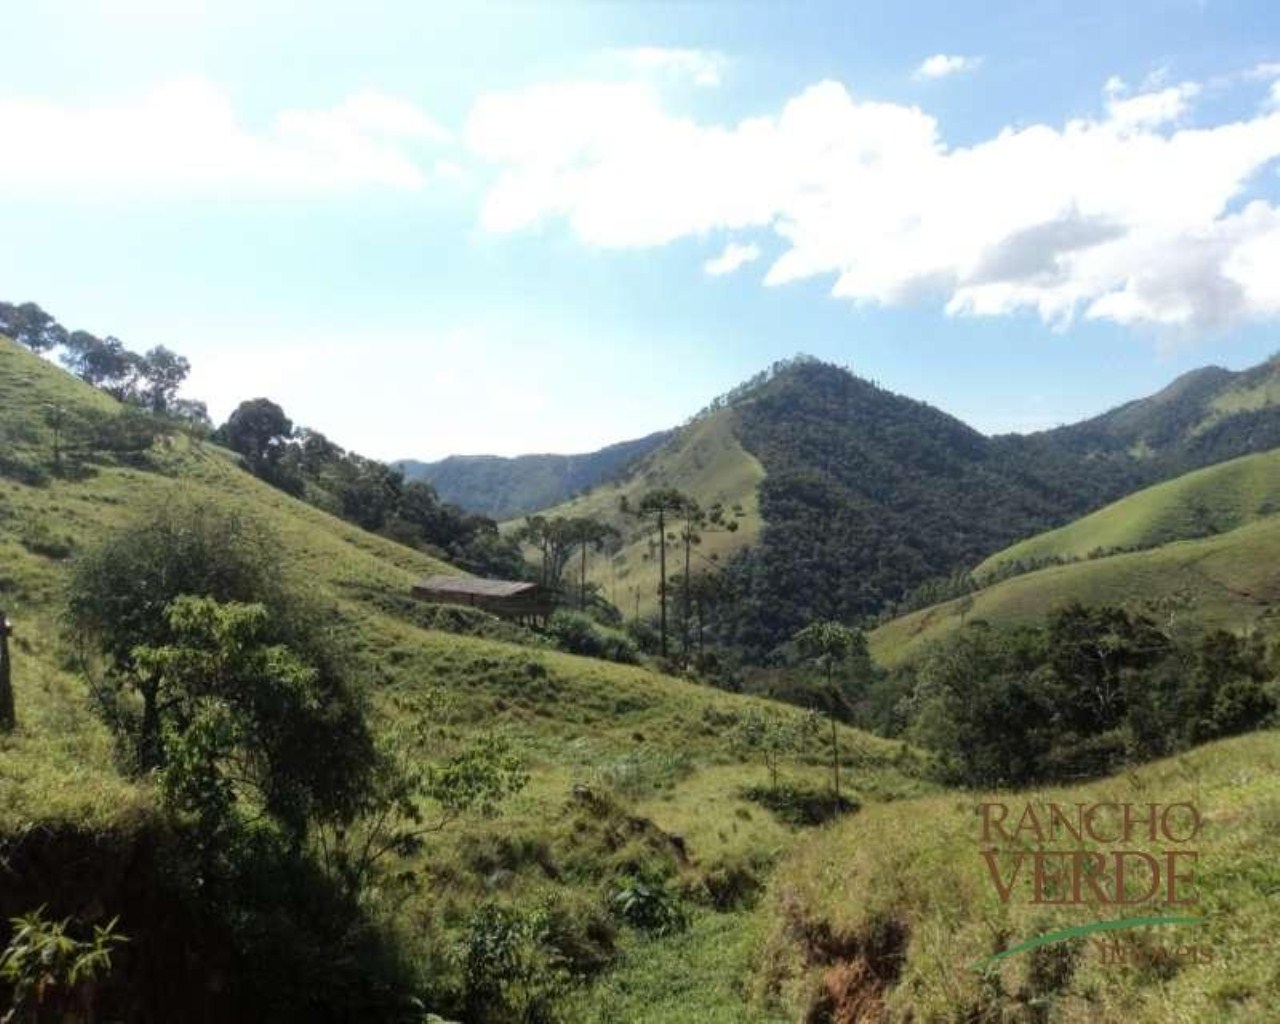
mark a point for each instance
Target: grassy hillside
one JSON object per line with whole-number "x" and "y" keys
{"x": 705, "y": 460}
{"x": 505, "y": 487}
{"x": 1209, "y": 501}
{"x": 882, "y": 917}
{"x": 1231, "y": 581}
{"x": 658, "y": 749}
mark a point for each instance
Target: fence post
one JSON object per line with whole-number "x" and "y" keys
{"x": 8, "y": 718}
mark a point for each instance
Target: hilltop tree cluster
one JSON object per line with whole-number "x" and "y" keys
{"x": 150, "y": 380}
{"x": 369, "y": 493}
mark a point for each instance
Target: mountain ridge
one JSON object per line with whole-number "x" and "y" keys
{"x": 501, "y": 486}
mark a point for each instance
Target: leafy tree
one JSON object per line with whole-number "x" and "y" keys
{"x": 162, "y": 372}
{"x": 246, "y": 719}
{"x": 29, "y": 325}
{"x": 103, "y": 362}
{"x": 120, "y": 596}
{"x": 554, "y": 539}
{"x": 257, "y": 428}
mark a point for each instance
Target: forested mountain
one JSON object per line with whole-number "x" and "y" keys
{"x": 506, "y": 487}
{"x": 1204, "y": 416}
{"x": 866, "y": 494}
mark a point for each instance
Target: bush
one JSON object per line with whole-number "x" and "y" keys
{"x": 648, "y": 905}
{"x": 797, "y": 805}
{"x": 734, "y": 883}
{"x": 511, "y": 973}
{"x": 580, "y": 634}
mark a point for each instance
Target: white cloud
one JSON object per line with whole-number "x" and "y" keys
{"x": 186, "y": 134}
{"x": 1127, "y": 216}
{"x": 702, "y": 67}
{"x": 734, "y": 257}
{"x": 1150, "y": 109}
{"x": 940, "y": 65}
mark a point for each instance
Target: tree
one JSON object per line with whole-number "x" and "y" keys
{"x": 554, "y": 539}
{"x": 163, "y": 372}
{"x": 592, "y": 534}
{"x": 103, "y": 362}
{"x": 829, "y": 645}
{"x": 257, "y": 429}
{"x": 411, "y": 797}
{"x": 770, "y": 736}
{"x": 697, "y": 521}
{"x": 122, "y": 587}
{"x": 658, "y": 506}
{"x": 245, "y": 718}
{"x": 29, "y": 325}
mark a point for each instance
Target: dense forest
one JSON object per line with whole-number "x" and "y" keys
{"x": 869, "y": 496}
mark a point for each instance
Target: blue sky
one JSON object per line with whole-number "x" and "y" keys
{"x": 437, "y": 228}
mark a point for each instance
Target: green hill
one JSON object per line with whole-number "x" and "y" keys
{"x": 884, "y": 916}
{"x": 1209, "y": 501}
{"x": 659, "y": 749}
{"x": 1230, "y": 581}
{"x": 502, "y": 488}
{"x": 705, "y": 460}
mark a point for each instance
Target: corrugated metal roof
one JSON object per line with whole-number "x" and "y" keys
{"x": 470, "y": 585}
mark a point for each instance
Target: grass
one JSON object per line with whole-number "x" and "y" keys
{"x": 1227, "y": 581}
{"x": 1261, "y": 391}
{"x": 704, "y": 460}
{"x": 1209, "y": 501}
{"x": 916, "y": 867}
{"x": 659, "y": 747}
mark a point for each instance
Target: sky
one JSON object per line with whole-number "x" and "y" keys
{"x": 438, "y": 228}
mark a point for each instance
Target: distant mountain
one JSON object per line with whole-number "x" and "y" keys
{"x": 851, "y": 496}
{"x": 503, "y": 488}
{"x": 1204, "y": 416}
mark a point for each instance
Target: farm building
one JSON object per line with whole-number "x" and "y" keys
{"x": 510, "y": 599}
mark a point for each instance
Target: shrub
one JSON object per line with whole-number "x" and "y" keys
{"x": 510, "y": 971}
{"x": 649, "y": 905}
{"x": 580, "y": 634}
{"x": 797, "y": 805}
{"x": 52, "y": 974}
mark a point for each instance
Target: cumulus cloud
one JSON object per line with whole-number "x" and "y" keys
{"x": 1128, "y": 216}
{"x": 702, "y": 67}
{"x": 1150, "y": 109}
{"x": 187, "y": 134}
{"x": 940, "y": 65}
{"x": 734, "y": 257}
